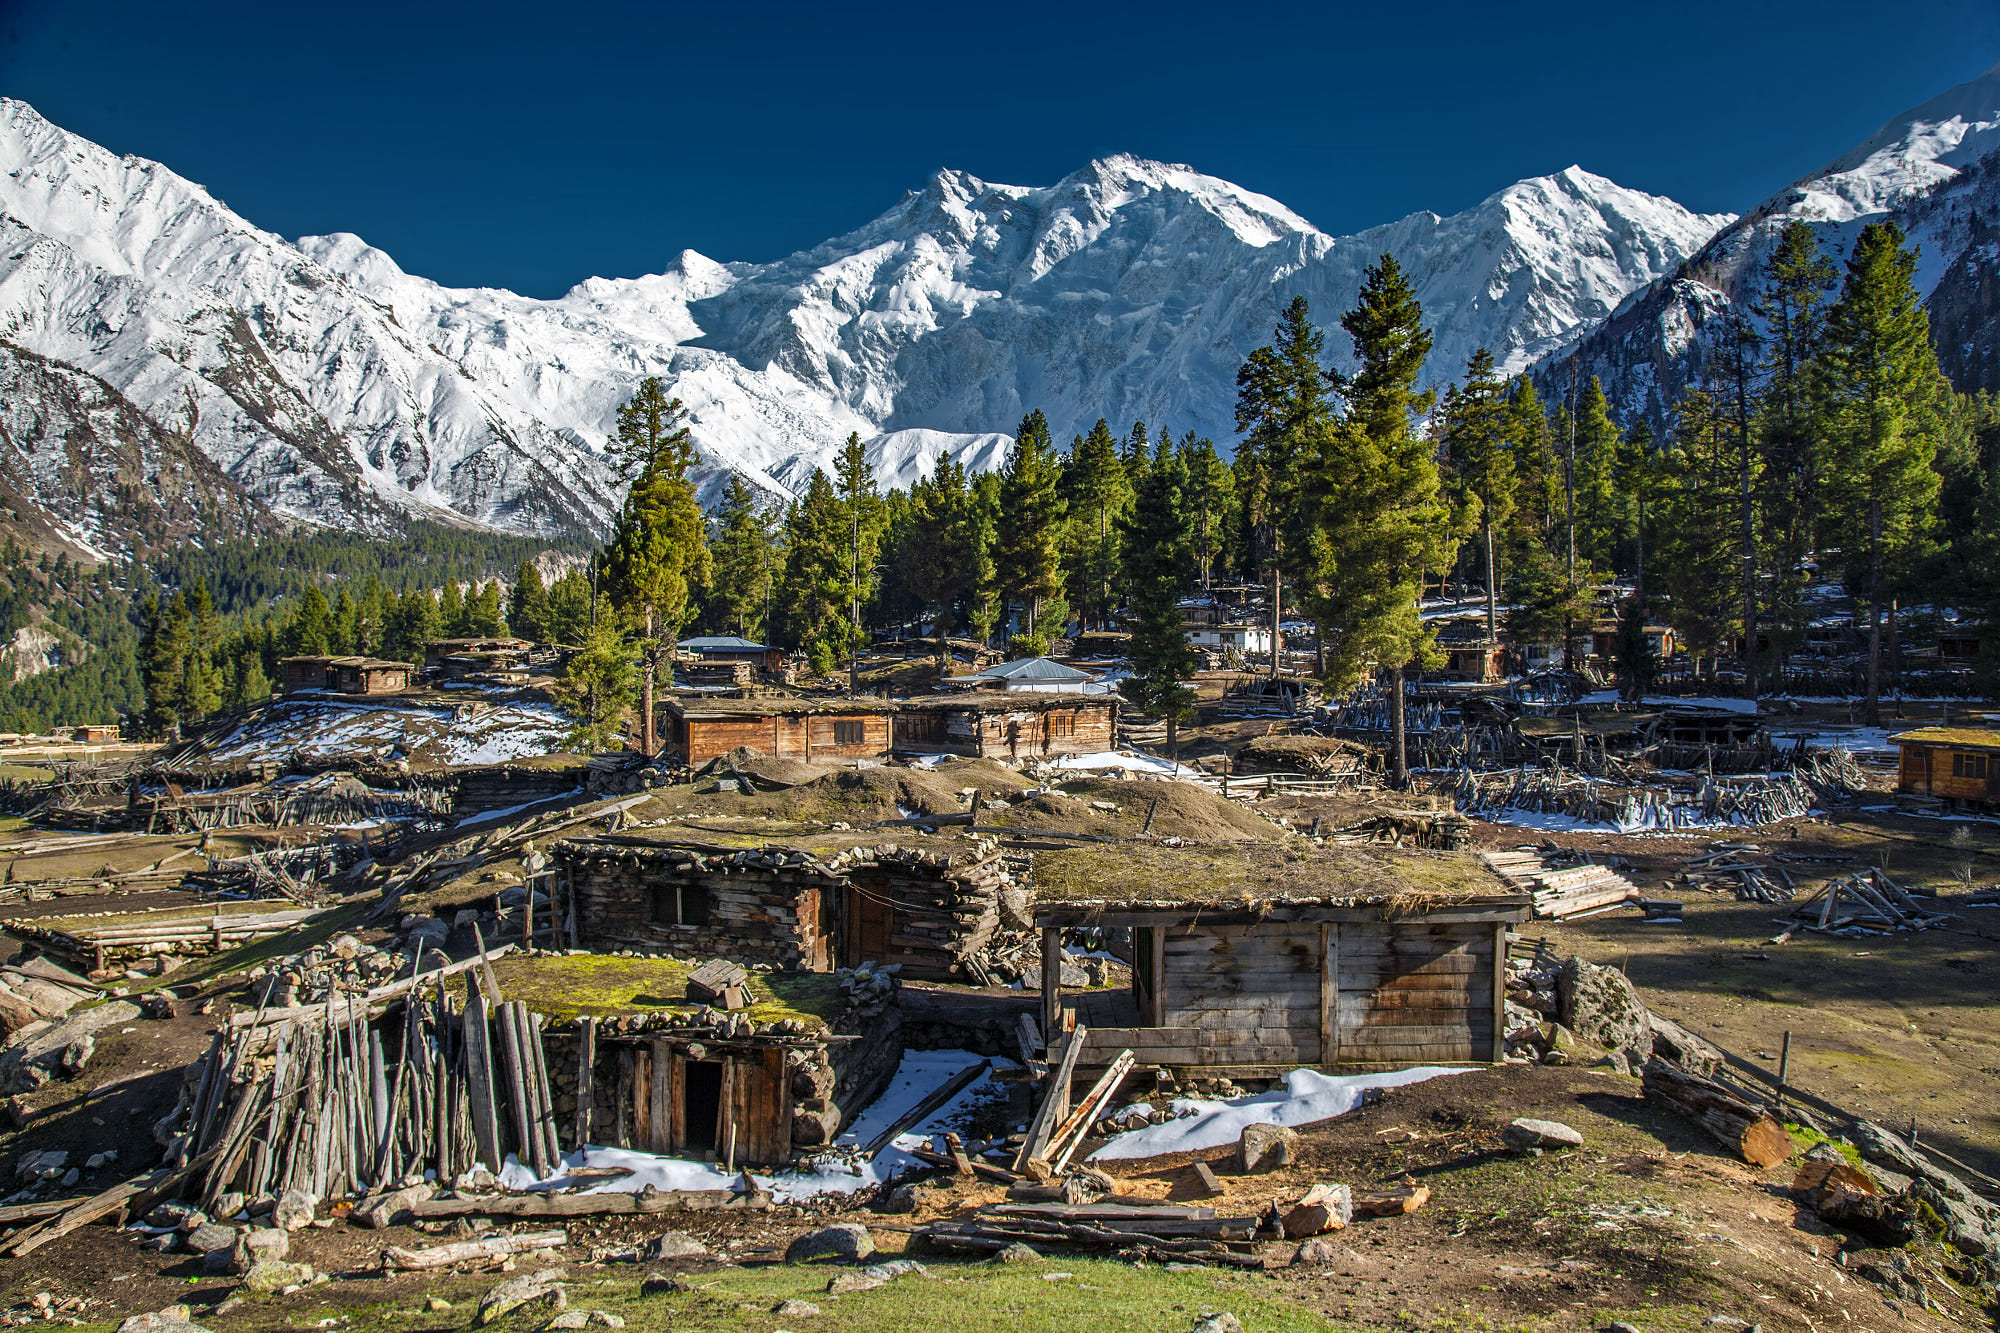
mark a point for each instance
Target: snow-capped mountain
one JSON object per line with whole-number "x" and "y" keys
{"x": 1934, "y": 170}
{"x": 332, "y": 387}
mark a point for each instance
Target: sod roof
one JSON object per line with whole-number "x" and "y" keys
{"x": 1971, "y": 737}
{"x": 566, "y": 987}
{"x": 1235, "y": 874}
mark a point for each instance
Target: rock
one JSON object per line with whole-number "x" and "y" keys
{"x": 1599, "y": 1005}
{"x": 256, "y": 1245}
{"x": 892, "y": 1269}
{"x": 1017, "y": 1253}
{"x": 1824, "y": 1152}
{"x": 1017, "y": 909}
{"x": 1263, "y": 1147}
{"x": 227, "y": 1205}
{"x": 796, "y": 1310}
{"x": 1071, "y": 976}
{"x": 1673, "y": 1042}
{"x": 172, "y": 1319}
{"x": 538, "y": 1288}
{"x": 846, "y": 1284}
{"x": 294, "y": 1209}
{"x": 1317, "y": 1251}
{"x": 174, "y": 1215}
{"x": 845, "y": 1243}
{"x": 208, "y": 1239}
{"x": 672, "y": 1245}
{"x": 392, "y": 1209}
{"x": 1964, "y": 1228}
{"x": 586, "y": 1319}
{"x": 1526, "y": 1133}
{"x": 1220, "y": 1322}
{"x": 35, "y": 1167}
{"x": 1848, "y": 1199}
{"x": 274, "y": 1275}
{"x": 436, "y": 1304}
{"x": 1620, "y": 1326}
{"x": 1892, "y": 1270}
{"x": 1728, "y": 1323}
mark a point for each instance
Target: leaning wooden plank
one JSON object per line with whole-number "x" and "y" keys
{"x": 486, "y": 1247}
{"x": 959, "y": 1082}
{"x": 1054, "y": 1099}
{"x": 1745, "y": 1129}
{"x": 1064, "y": 1141}
{"x": 96, "y": 1206}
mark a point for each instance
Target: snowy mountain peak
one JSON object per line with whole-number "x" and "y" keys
{"x": 332, "y": 385}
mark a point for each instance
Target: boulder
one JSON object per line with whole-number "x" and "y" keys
{"x": 214, "y": 1241}
{"x": 392, "y": 1209}
{"x": 1017, "y": 1253}
{"x": 1264, "y": 1147}
{"x": 1220, "y": 1322}
{"x": 254, "y": 1246}
{"x": 1525, "y": 1133}
{"x": 795, "y": 1309}
{"x": 586, "y": 1319}
{"x": 843, "y": 1243}
{"x": 1318, "y": 1251}
{"x": 294, "y": 1209}
{"x": 1673, "y": 1042}
{"x": 541, "y": 1288}
{"x": 672, "y": 1245}
{"x": 172, "y": 1319}
{"x": 1600, "y": 1005}
{"x": 273, "y": 1275}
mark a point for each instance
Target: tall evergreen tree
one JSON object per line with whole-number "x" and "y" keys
{"x": 657, "y": 554}
{"x": 310, "y": 632}
{"x": 453, "y": 623}
{"x": 1599, "y": 510}
{"x": 1885, "y": 419}
{"x": 811, "y": 598}
{"x": 740, "y": 553}
{"x": 1027, "y": 557}
{"x": 1095, "y": 493}
{"x": 569, "y": 609}
{"x": 861, "y": 509}
{"x": 528, "y": 604}
{"x": 1697, "y": 548}
{"x": 483, "y": 612}
{"x": 596, "y": 685}
{"x": 1158, "y": 562}
{"x": 934, "y": 554}
{"x": 1477, "y": 443}
{"x": 1797, "y": 280}
{"x": 1208, "y": 499}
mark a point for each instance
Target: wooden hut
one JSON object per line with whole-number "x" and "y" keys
{"x": 1255, "y": 957}
{"x": 494, "y": 653}
{"x": 816, "y": 730}
{"x": 732, "y": 648}
{"x": 1008, "y": 726}
{"x": 296, "y": 674}
{"x": 840, "y": 902}
{"x": 1956, "y": 763}
{"x": 368, "y": 675}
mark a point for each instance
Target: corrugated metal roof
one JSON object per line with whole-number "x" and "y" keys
{"x": 721, "y": 643}
{"x": 1032, "y": 668}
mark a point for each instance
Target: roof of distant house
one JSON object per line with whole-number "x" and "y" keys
{"x": 1032, "y": 668}
{"x": 1966, "y": 736}
{"x": 720, "y": 643}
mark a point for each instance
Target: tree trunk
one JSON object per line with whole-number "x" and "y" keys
{"x": 1745, "y": 1129}
{"x": 1399, "y": 762}
{"x": 1492, "y": 599}
{"x": 647, "y": 741}
{"x": 1748, "y": 536}
{"x": 1871, "y": 705}
{"x": 1277, "y": 615}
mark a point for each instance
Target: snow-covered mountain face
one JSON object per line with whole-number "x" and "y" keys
{"x": 1934, "y": 171}
{"x": 334, "y": 388}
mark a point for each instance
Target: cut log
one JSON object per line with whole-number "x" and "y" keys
{"x": 1326, "y": 1207}
{"x": 486, "y": 1247}
{"x": 1747, "y": 1130}
{"x": 1392, "y": 1203}
{"x": 590, "y": 1205}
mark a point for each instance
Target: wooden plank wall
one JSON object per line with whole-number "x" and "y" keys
{"x": 1250, "y": 991}
{"x": 754, "y": 915}
{"x": 756, "y": 1101}
{"x": 935, "y": 919}
{"x": 786, "y": 735}
{"x": 1411, "y": 992}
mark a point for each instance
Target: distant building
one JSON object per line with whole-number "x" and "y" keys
{"x": 1956, "y": 763}
{"x": 344, "y": 675}
{"x": 96, "y": 734}
{"x": 1028, "y": 675}
{"x": 457, "y": 658}
{"x": 1008, "y": 726}
{"x": 699, "y": 730}
{"x": 1240, "y": 637}
{"x": 732, "y": 648}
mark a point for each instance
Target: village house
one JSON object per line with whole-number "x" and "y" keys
{"x": 834, "y": 902}
{"x": 1008, "y": 726}
{"x": 1960, "y": 764}
{"x": 1029, "y": 675}
{"x": 344, "y": 675}
{"x": 1239, "y": 637}
{"x": 732, "y": 648}
{"x": 816, "y": 730}
{"x": 1249, "y": 957}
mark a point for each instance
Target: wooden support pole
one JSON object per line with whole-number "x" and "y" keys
{"x": 586, "y": 1086}
{"x": 1051, "y": 976}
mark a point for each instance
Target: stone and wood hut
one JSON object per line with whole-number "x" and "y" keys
{"x": 1008, "y": 726}
{"x": 815, "y": 730}
{"x": 1956, "y": 763}
{"x": 344, "y": 675}
{"x": 1260, "y": 956}
{"x": 810, "y": 907}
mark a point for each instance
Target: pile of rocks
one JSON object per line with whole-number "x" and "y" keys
{"x": 1568, "y": 1011}
{"x": 343, "y": 966}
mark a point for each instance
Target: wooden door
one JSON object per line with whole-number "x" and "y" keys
{"x": 760, "y": 1108}
{"x": 869, "y": 921}
{"x": 815, "y": 930}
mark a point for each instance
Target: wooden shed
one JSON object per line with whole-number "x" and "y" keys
{"x": 368, "y": 675}
{"x": 1008, "y": 726}
{"x": 1956, "y": 763}
{"x": 814, "y": 907}
{"x": 304, "y": 673}
{"x": 478, "y": 654}
{"x": 1255, "y": 957}
{"x": 817, "y": 730}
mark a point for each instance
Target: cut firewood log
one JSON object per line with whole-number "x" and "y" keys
{"x": 1747, "y": 1130}
{"x": 1326, "y": 1207}
{"x": 486, "y": 1247}
{"x": 1405, "y": 1198}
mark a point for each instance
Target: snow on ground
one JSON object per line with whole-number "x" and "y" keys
{"x": 920, "y": 1074}
{"x": 1131, "y": 762}
{"x": 506, "y": 812}
{"x": 1306, "y": 1097}
{"x": 1674, "y": 701}
{"x": 1854, "y": 740}
{"x": 336, "y": 728}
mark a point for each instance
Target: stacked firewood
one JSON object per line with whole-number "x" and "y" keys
{"x": 1868, "y": 903}
{"x": 1729, "y": 867}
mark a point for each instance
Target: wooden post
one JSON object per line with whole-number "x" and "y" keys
{"x": 1051, "y": 976}
{"x": 479, "y": 1079}
{"x": 1329, "y": 992}
{"x": 1784, "y": 1065}
{"x": 1499, "y": 992}
{"x": 586, "y": 1089}
{"x": 528, "y": 914}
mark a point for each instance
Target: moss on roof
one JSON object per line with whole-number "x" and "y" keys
{"x": 566, "y": 987}
{"x": 1979, "y": 737}
{"x": 1240, "y": 872}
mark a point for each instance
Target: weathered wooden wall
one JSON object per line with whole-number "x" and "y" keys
{"x": 937, "y": 917}
{"x": 1016, "y": 729}
{"x": 809, "y": 736}
{"x": 767, "y": 913}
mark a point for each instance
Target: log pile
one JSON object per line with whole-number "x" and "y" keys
{"x": 1729, "y": 867}
{"x": 118, "y": 939}
{"x": 1580, "y": 890}
{"x": 1159, "y": 1232}
{"x": 1866, "y": 903}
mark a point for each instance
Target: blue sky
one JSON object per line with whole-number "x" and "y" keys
{"x": 530, "y": 146}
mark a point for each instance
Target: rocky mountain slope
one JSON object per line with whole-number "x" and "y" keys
{"x": 1933, "y": 170}
{"x": 329, "y": 386}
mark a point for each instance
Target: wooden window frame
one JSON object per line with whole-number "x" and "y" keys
{"x": 850, "y": 733}
{"x": 680, "y": 903}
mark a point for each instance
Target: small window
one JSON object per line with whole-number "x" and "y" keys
{"x": 1062, "y": 724}
{"x": 847, "y": 733}
{"x": 1968, "y": 765}
{"x": 680, "y": 904}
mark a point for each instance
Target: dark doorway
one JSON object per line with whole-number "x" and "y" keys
{"x": 701, "y": 1104}
{"x": 870, "y": 920}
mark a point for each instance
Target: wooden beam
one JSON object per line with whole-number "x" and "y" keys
{"x": 1329, "y": 993}
{"x": 1499, "y": 993}
{"x": 1051, "y": 976}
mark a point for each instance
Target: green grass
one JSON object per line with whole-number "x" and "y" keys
{"x": 564, "y": 988}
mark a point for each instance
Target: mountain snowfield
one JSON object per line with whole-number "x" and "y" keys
{"x": 333, "y": 387}
{"x": 1932, "y": 170}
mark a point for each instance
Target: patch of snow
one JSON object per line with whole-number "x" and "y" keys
{"x": 507, "y": 811}
{"x": 1129, "y": 761}
{"x": 1306, "y": 1097}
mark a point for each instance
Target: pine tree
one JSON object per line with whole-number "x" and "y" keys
{"x": 1797, "y": 281}
{"x": 346, "y": 622}
{"x": 1697, "y": 546}
{"x": 528, "y": 604}
{"x": 933, "y": 556}
{"x": 1599, "y": 508}
{"x": 985, "y": 604}
{"x": 1382, "y": 519}
{"x": 1209, "y": 497}
{"x": 162, "y": 645}
{"x": 1885, "y": 399}
{"x": 597, "y": 684}
{"x": 1095, "y": 493}
{"x": 1028, "y": 554}
{"x": 569, "y": 609}
{"x": 862, "y": 512}
{"x": 452, "y": 620}
{"x": 811, "y": 597}
{"x": 740, "y": 553}
{"x": 310, "y": 632}
{"x": 1158, "y": 562}
{"x": 1476, "y": 441}
{"x": 483, "y": 614}
{"x": 199, "y": 692}
{"x": 1637, "y": 662}
{"x": 657, "y": 554}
